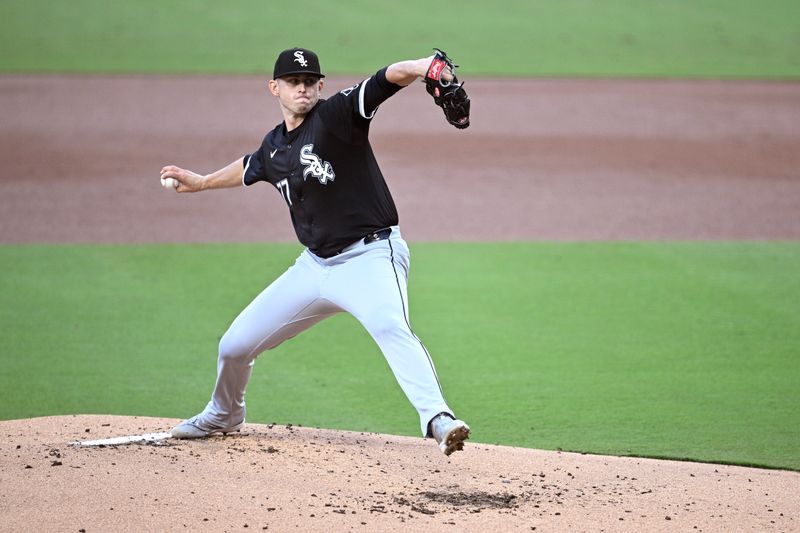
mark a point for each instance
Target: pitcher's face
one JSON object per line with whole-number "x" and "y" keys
{"x": 297, "y": 93}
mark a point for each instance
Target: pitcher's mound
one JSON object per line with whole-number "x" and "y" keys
{"x": 284, "y": 478}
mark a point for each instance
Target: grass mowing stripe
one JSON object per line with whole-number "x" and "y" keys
{"x": 681, "y": 350}
{"x": 717, "y": 38}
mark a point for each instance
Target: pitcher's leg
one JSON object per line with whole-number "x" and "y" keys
{"x": 290, "y": 305}
{"x": 372, "y": 287}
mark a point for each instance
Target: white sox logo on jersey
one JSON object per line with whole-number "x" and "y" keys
{"x": 300, "y": 58}
{"x": 322, "y": 170}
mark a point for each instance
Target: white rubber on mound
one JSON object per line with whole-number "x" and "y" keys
{"x": 116, "y": 441}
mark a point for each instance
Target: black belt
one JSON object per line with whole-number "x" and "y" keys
{"x": 375, "y": 236}
{"x": 380, "y": 235}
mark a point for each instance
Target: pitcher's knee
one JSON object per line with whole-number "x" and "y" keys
{"x": 387, "y": 325}
{"x": 233, "y": 350}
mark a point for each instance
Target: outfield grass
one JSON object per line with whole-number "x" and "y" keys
{"x": 717, "y": 38}
{"x": 669, "y": 350}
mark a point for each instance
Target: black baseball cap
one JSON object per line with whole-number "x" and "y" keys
{"x": 297, "y": 61}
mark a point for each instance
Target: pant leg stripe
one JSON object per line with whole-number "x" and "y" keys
{"x": 405, "y": 317}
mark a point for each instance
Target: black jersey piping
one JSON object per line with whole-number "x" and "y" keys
{"x": 246, "y": 166}
{"x": 405, "y": 317}
{"x": 361, "y": 109}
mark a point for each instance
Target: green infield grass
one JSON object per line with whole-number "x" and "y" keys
{"x": 718, "y": 38}
{"x": 688, "y": 351}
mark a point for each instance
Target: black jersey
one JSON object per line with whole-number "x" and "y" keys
{"x": 326, "y": 171}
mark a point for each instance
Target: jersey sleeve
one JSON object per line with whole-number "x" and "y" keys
{"x": 254, "y": 170}
{"x": 351, "y": 110}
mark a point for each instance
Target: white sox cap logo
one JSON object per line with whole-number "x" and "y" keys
{"x": 296, "y": 61}
{"x": 300, "y": 59}
{"x": 322, "y": 170}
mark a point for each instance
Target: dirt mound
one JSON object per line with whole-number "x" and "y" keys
{"x": 284, "y": 478}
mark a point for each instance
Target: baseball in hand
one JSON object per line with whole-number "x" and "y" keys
{"x": 169, "y": 183}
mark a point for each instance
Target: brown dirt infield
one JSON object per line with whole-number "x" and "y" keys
{"x": 543, "y": 160}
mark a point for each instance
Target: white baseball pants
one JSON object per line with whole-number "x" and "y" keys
{"x": 369, "y": 281}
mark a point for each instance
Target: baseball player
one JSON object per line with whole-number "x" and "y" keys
{"x": 320, "y": 160}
